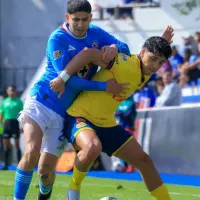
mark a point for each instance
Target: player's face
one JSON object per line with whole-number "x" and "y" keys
{"x": 151, "y": 62}
{"x": 79, "y": 22}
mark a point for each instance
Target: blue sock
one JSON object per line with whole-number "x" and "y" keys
{"x": 22, "y": 183}
{"x": 45, "y": 189}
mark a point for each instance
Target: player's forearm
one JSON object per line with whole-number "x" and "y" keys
{"x": 83, "y": 84}
{"x": 84, "y": 58}
{"x": 1, "y": 118}
{"x": 194, "y": 65}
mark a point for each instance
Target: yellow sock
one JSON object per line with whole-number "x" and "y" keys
{"x": 161, "y": 193}
{"x": 77, "y": 178}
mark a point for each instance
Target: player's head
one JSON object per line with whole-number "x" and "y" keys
{"x": 167, "y": 78}
{"x": 11, "y": 91}
{"x": 156, "y": 50}
{"x": 78, "y": 16}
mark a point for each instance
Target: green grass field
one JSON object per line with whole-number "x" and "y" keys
{"x": 94, "y": 189}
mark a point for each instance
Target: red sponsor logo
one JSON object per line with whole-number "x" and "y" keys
{"x": 119, "y": 98}
{"x": 79, "y": 120}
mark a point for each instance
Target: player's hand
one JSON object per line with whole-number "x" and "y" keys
{"x": 109, "y": 52}
{"x": 116, "y": 88}
{"x": 58, "y": 85}
{"x": 168, "y": 34}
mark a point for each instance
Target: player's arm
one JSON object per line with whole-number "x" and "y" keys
{"x": 109, "y": 40}
{"x": 1, "y": 113}
{"x": 84, "y": 58}
{"x": 193, "y": 65}
{"x": 60, "y": 58}
{"x": 111, "y": 46}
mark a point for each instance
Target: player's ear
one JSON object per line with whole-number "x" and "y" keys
{"x": 142, "y": 53}
{"x": 67, "y": 17}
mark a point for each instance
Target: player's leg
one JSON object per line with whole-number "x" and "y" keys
{"x": 132, "y": 152}
{"x": 7, "y": 151}
{"x": 6, "y": 143}
{"x": 32, "y": 139}
{"x": 88, "y": 146}
{"x": 53, "y": 145}
{"x": 46, "y": 173}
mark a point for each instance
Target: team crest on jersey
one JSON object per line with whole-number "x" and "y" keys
{"x": 80, "y": 125}
{"x": 95, "y": 45}
{"x": 124, "y": 57}
{"x": 57, "y": 54}
{"x": 84, "y": 71}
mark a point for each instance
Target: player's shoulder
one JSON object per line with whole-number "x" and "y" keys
{"x": 5, "y": 99}
{"x": 95, "y": 29}
{"x": 58, "y": 34}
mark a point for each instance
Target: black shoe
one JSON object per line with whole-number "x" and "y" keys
{"x": 44, "y": 196}
{"x": 4, "y": 168}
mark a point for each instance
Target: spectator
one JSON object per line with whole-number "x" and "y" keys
{"x": 159, "y": 86}
{"x": 190, "y": 42}
{"x": 176, "y": 60}
{"x": 190, "y": 69}
{"x": 145, "y": 97}
{"x": 10, "y": 108}
{"x": 197, "y": 39}
{"x": 171, "y": 94}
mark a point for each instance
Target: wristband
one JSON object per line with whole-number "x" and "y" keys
{"x": 64, "y": 76}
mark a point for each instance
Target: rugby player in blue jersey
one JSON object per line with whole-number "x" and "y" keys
{"x": 43, "y": 114}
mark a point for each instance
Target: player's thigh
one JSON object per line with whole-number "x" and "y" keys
{"x": 7, "y": 143}
{"x": 82, "y": 135}
{"x": 87, "y": 139}
{"x": 132, "y": 152}
{"x": 32, "y": 135}
{"x": 7, "y": 133}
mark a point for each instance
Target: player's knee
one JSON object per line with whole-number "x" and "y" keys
{"x": 46, "y": 175}
{"x": 93, "y": 149}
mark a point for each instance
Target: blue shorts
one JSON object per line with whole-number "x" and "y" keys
{"x": 112, "y": 138}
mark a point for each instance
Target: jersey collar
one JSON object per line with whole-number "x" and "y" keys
{"x": 66, "y": 29}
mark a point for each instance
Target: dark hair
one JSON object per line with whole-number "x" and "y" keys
{"x": 74, "y": 6}
{"x": 158, "y": 45}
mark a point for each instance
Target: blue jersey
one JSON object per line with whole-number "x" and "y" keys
{"x": 61, "y": 48}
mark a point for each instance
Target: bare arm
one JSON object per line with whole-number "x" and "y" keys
{"x": 84, "y": 58}
{"x": 194, "y": 64}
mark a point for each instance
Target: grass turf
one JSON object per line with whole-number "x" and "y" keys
{"x": 95, "y": 189}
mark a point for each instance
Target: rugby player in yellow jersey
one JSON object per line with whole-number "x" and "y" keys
{"x": 91, "y": 126}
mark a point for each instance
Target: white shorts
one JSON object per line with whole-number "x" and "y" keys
{"x": 51, "y": 124}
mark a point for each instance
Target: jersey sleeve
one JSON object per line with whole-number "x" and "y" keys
{"x": 107, "y": 39}
{"x": 57, "y": 54}
{"x": 83, "y": 84}
{"x": 2, "y": 108}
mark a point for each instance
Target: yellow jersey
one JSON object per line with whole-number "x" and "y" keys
{"x": 98, "y": 107}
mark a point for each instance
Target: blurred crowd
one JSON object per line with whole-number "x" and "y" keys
{"x": 125, "y": 11}
{"x": 180, "y": 71}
